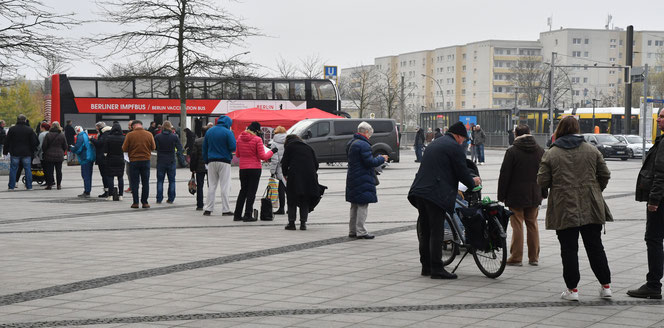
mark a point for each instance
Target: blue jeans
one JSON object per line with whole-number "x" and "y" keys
{"x": 13, "y": 169}
{"x": 480, "y": 153}
{"x": 418, "y": 152}
{"x": 139, "y": 171}
{"x": 86, "y": 173}
{"x": 162, "y": 171}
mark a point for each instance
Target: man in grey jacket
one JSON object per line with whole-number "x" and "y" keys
{"x": 650, "y": 188}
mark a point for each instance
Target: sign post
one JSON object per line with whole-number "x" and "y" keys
{"x": 330, "y": 73}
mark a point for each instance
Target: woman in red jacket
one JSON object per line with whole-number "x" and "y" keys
{"x": 251, "y": 152}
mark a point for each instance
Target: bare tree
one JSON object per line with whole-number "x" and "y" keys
{"x": 388, "y": 90}
{"x": 311, "y": 67}
{"x": 360, "y": 88}
{"x": 527, "y": 75}
{"x": 53, "y": 64}
{"x": 26, "y": 34}
{"x": 285, "y": 69}
{"x": 181, "y": 36}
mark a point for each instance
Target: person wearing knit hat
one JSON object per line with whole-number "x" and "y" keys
{"x": 434, "y": 192}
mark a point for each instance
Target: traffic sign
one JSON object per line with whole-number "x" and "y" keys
{"x": 330, "y": 72}
{"x": 655, "y": 101}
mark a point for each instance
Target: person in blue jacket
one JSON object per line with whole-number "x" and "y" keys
{"x": 361, "y": 180}
{"x": 218, "y": 148}
{"x": 86, "y": 157}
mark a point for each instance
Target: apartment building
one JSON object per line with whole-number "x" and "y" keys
{"x": 481, "y": 74}
{"x": 584, "y": 49}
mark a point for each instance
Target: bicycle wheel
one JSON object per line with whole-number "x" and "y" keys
{"x": 491, "y": 261}
{"x": 450, "y": 241}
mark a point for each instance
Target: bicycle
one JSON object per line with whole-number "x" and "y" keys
{"x": 489, "y": 249}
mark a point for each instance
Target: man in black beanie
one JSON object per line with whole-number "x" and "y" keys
{"x": 434, "y": 191}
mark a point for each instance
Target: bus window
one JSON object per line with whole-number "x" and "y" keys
{"x": 143, "y": 88}
{"x": 160, "y": 88}
{"x": 322, "y": 90}
{"x": 195, "y": 89}
{"x": 248, "y": 90}
{"x": 264, "y": 90}
{"x": 83, "y": 88}
{"x": 231, "y": 90}
{"x": 281, "y": 90}
{"x": 214, "y": 90}
{"x": 297, "y": 91}
{"x": 115, "y": 89}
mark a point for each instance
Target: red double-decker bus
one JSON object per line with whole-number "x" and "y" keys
{"x": 87, "y": 100}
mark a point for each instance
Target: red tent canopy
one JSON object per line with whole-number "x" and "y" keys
{"x": 273, "y": 118}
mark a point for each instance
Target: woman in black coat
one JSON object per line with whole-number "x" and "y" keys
{"x": 53, "y": 148}
{"x": 115, "y": 163}
{"x": 299, "y": 166}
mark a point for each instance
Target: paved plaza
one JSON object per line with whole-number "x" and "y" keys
{"x": 73, "y": 262}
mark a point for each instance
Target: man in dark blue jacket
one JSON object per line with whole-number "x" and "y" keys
{"x": 21, "y": 142}
{"x": 434, "y": 192}
{"x": 167, "y": 142}
{"x": 361, "y": 180}
{"x": 218, "y": 148}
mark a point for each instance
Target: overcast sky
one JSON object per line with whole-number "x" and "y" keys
{"x": 353, "y": 32}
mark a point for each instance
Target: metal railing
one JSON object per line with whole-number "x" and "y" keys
{"x": 493, "y": 139}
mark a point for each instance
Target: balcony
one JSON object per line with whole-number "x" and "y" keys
{"x": 502, "y": 70}
{"x": 503, "y": 83}
{"x": 503, "y": 95}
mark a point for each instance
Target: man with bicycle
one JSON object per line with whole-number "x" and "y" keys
{"x": 433, "y": 193}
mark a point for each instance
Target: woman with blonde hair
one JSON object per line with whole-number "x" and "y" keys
{"x": 575, "y": 173}
{"x": 278, "y": 141}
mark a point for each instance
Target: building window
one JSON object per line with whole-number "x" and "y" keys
{"x": 576, "y": 53}
{"x": 556, "y": 41}
{"x": 463, "y": 92}
{"x": 463, "y": 56}
{"x": 463, "y": 79}
{"x": 612, "y": 46}
{"x": 650, "y": 42}
{"x": 585, "y": 54}
{"x": 613, "y": 40}
{"x": 613, "y": 59}
{"x": 585, "y": 80}
{"x": 586, "y": 41}
{"x": 463, "y": 104}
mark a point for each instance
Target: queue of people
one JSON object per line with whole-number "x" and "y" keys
{"x": 571, "y": 175}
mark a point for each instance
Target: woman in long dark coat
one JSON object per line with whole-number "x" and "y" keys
{"x": 115, "y": 163}
{"x": 299, "y": 167}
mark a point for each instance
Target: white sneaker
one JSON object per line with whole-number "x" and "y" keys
{"x": 570, "y": 295}
{"x": 120, "y": 197}
{"x": 605, "y": 292}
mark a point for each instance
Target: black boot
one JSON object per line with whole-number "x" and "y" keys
{"x": 443, "y": 274}
{"x": 290, "y": 226}
{"x": 645, "y": 292}
{"x": 105, "y": 194}
{"x": 303, "y": 226}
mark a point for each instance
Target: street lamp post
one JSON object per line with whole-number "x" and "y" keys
{"x": 442, "y": 95}
{"x": 594, "y": 100}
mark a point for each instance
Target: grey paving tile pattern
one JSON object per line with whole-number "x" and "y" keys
{"x": 67, "y": 262}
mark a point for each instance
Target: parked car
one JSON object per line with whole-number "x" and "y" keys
{"x": 328, "y": 137}
{"x": 634, "y": 144}
{"x": 608, "y": 145}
